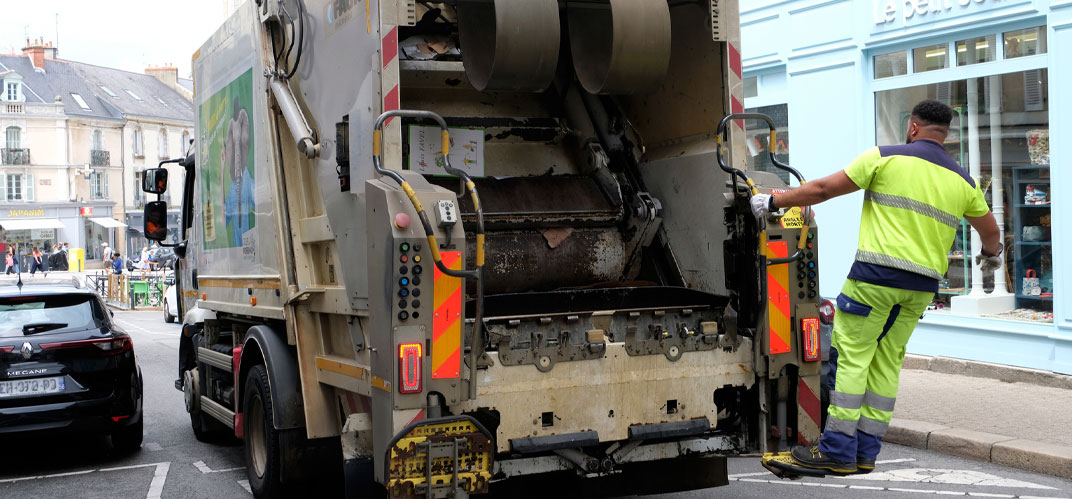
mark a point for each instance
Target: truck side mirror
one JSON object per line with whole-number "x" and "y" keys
{"x": 156, "y": 219}
{"x": 154, "y": 180}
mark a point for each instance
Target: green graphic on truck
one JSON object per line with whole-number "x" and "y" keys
{"x": 227, "y": 210}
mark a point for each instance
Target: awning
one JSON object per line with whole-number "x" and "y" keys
{"x": 107, "y": 222}
{"x": 31, "y": 223}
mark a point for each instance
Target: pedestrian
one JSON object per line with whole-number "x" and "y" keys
{"x": 106, "y": 251}
{"x": 11, "y": 261}
{"x": 914, "y": 197}
{"x": 37, "y": 261}
{"x": 117, "y": 263}
{"x": 143, "y": 260}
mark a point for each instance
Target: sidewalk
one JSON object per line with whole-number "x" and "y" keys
{"x": 1009, "y": 416}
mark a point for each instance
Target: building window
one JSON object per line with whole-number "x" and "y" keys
{"x": 1005, "y": 118}
{"x": 930, "y": 58}
{"x": 13, "y": 134}
{"x": 18, "y": 187}
{"x": 161, "y": 144}
{"x": 98, "y": 185}
{"x": 98, "y": 141}
{"x": 139, "y": 195}
{"x": 138, "y": 144}
{"x": 185, "y": 142}
{"x": 108, "y": 91}
{"x": 758, "y": 140}
{"x": 751, "y": 86}
{"x": 892, "y": 64}
{"x": 12, "y": 92}
{"x": 132, "y": 94}
{"x": 81, "y": 102}
{"x": 976, "y": 50}
{"x": 1030, "y": 41}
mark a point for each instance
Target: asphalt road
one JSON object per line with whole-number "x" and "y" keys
{"x": 172, "y": 464}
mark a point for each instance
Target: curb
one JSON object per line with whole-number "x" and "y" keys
{"x": 1029, "y": 455}
{"x": 1008, "y": 374}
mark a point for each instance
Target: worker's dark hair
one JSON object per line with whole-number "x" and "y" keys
{"x": 933, "y": 112}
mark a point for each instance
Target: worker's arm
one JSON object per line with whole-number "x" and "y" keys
{"x": 817, "y": 191}
{"x": 987, "y": 227}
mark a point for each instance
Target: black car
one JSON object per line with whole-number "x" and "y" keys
{"x": 65, "y": 366}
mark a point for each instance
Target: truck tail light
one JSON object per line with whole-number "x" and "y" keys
{"x": 826, "y": 312}
{"x": 809, "y": 332}
{"x": 410, "y": 362}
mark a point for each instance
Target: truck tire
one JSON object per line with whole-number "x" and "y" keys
{"x": 168, "y": 318}
{"x": 261, "y": 438}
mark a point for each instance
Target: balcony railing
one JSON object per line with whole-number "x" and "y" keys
{"x": 16, "y": 156}
{"x": 100, "y": 158}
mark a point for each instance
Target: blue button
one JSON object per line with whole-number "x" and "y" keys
{"x": 403, "y": 281}
{"x": 403, "y": 292}
{"x": 811, "y": 265}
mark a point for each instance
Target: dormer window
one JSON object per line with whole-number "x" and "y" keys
{"x": 13, "y": 90}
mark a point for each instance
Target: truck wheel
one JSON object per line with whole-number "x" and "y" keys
{"x": 205, "y": 428}
{"x": 168, "y": 318}
{"x": 261, "y": 437}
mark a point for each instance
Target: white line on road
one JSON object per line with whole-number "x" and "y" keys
{"x": 884, "y": 489}
{"x": 245, "y": 485}
{"x": 155, "y": 487}
{"x": 203, "y": 468}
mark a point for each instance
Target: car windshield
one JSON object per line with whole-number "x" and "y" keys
{"x": 23, "y": 315}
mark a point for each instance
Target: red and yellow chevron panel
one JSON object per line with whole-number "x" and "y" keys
{"x": 447, "y": 319}
{"x": 778, "y": 299}
{"x": 809, "y": 412}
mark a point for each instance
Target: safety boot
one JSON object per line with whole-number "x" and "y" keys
{"x": 814, "y": 458}
{"x": 864, "y": 465}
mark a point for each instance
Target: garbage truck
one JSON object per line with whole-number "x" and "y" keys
{"x": 452, "y": 248}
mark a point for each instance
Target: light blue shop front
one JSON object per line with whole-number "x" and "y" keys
{"x": 840, "y": 76}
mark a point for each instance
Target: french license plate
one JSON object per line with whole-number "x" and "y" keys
{"x": 32, "y": 386}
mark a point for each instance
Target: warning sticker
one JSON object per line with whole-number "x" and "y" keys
{"x": 793, "y": 218}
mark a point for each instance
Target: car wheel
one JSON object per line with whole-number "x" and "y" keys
{"x": 168, "y": 318}
{"x": 261, "y": 437}
{"x": 128, "y": 438}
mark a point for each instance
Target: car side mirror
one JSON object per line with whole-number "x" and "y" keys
{"x": 154, "y": 180}
{"x": 155, "y": 220}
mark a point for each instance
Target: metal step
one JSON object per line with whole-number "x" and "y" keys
{"x": 217, "y": 411}
{"x": 215, "y": 359}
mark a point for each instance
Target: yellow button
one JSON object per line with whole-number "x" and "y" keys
{"x": 417, "y": 259}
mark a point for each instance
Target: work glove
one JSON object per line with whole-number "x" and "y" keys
{"x": 988, "y": 264}
{"x": 761, "y": 205}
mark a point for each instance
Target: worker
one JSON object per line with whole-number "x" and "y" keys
{"x": 915, "y": 195}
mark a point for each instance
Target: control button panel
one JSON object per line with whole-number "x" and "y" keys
{"x": 408, "y": 281}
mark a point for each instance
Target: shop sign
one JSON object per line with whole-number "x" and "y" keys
{"x": 18, "y": 212}
{"x": 86, "y": 211}
{"x": 885, "y": 13}
{"x": 42, "y": 234}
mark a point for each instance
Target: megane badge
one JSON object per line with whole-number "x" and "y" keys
{"x": 27, "y": 350}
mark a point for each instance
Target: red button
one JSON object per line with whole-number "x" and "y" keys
{"x": 403, "y": 258}
{"x": 810, "y": 245}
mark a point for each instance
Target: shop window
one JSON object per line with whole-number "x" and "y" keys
{"x": 98, "y": 185}
{"x": 1030, "y": 41}
{"x": 751, "y": 86}
{"x": 1005, "y": 118}
{"x": 930, "y": 58}
{"x": 976, "y": 50}
{"x": 757, "y": 140}
{"x": 892, "y": 64}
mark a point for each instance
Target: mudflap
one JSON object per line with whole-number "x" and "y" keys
{"x": 783, "y": 466}
{"x": 438, "y": 458}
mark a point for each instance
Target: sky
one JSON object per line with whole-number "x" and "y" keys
{"x": 123, "y": 34}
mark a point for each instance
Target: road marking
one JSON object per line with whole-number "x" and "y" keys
{"x": 151, "y": 446}
{"x": 203, "y": 468}
{"x": 155, "y": 487}
{"x": 884, "y": 489}
{"x": 245, "y": 485}
{"x": 946, "y": 476}
{"x": 762, "y": 473}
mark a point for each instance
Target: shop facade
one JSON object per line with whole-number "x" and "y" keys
{"x": 83, "y": 226}
{"x": 845, "y": 76}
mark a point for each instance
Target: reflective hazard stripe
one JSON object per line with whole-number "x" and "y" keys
{"x": 841, "y": 425}
{"x": 845, "y": 400}
{"x": 871, "y": 426}
{"x": 778, "y": 299}
{"x": 897, "y": 263}
{"x": 447, "y": 319}
{"x": 894, "y": 201}
{"x": 875, "y": 401}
